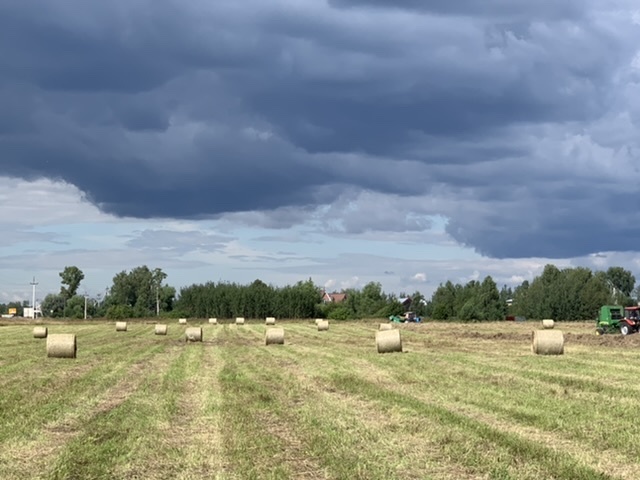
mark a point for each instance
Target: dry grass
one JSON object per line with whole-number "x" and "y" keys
{"x": 466, "y": 402}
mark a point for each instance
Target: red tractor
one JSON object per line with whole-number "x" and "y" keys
{"x": 631, "y": 321}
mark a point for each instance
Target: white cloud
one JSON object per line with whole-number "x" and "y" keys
{"x": 43, "y": 202}
{"x": 329, "y": 284}
{"x": 420, "y": 277}
{"x": 352, "y": 282}
{"x": 198, "y": 251}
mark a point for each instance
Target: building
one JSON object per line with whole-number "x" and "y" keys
{"x": 30, "y": 312}
{"x": 333, "y": 297}
{"x": 405, "y": 302}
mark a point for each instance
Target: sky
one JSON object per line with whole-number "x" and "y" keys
{"x": 406, "y": 142}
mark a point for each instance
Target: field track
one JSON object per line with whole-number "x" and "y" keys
{"x": 464, "y": 401}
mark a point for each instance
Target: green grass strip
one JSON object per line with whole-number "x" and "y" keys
{"x": 556, "y": 465}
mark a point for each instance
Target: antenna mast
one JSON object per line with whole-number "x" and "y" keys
{"x": 33, "y": 296}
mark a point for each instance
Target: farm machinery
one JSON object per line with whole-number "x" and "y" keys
{"x": 407, "y": 317}
{"x": 615, "y": 318}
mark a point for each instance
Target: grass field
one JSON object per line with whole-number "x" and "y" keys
{"x": 462, "y": 402}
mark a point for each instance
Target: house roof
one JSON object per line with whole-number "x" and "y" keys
{"x": 335, "y": 296}
{"x": 338, "y": 297}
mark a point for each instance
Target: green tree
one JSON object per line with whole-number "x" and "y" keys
{"x": 418, "y": 304}
{"x": 491, "y": 307}
{"x": 569, "y": 287}
{"x": 75, "y": 307}
{"x": 443, "y": 302}
{"x": 71, "y": 278}
{"x": 621, "y": 279}
{"x": 621, "y": 282}
{"x": 140, "y": 290}
{"x": 371, "y": 300}
{"x": 520, "y": 305}
{"x": 594, "y": 294}
{"x": 157, "y": 277}
{"x": 53, "y": 305}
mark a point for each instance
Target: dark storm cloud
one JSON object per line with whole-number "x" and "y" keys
{"x": 493, "y": 8}
{"x": 198, "y": 109}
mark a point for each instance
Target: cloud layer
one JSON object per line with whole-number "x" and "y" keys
{"x": 516, "y": 121}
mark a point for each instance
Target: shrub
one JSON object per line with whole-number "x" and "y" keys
{"x": 119, "y": 311}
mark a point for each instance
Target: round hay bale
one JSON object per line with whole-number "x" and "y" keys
{"x": 121, "y": 326}
{"x": 386, "y": 326}
{"x": 161, "y": 329}
{"x": 182, "y": 321}
{"x": 318, "y": 320}
{"x": 274, "y": 336}
{"x": 547, "y": 323}
{"x": 323, "y": 325}
{"x": 39, "y": 332}
{"x": 213, "y": 321}
{"x": 270, "y": 321}
{"x": 388, "y": 341}
{"x": 547, "y": 342}
{"x": 193, "y": 334}
{"x": 239, "y": 320}
{"x": 61, "y": 345}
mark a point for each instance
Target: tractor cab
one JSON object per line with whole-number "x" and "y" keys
{"x": 632, "y": 318}
{"x": 412, "y": 317}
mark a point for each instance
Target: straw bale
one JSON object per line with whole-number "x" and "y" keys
{"x": 386, "y": 326}
{"x": 270, "y": 321}
{"x": 161, "y": 329}
{"x": 547, "y": 323}
{"x": 323, "y": 325}
{"x": 547, "y": 342}
{"x": 213, "y": 321}
{"x": 40, "y": 332}
{"x": 388, "y": 341}
{"x": 274, "y": 336}
{"x": 239, "y": 320}
{"x": 121, "y": 326}
{"x": 182, "y": 321}
{"x": 61, "y": 345}
{"x": 193, "y": 334}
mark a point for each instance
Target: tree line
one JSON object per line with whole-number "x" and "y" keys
{"x": 567, "y": 294}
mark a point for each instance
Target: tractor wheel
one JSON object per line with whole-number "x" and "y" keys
{"x": 625, "y": 329}
{"x": 599, "y": 331}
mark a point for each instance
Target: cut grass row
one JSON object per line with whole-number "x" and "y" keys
{"x": 324, "y": 405}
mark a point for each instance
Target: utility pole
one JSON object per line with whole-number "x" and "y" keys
{"x": 157, "y": 302}
{"x": 33, "y": 297}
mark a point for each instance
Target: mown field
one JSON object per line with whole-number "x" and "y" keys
{"x": 462, "y": 402}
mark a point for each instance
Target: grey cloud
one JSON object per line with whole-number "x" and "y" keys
{"x": 508, "y": 8}
{"x": 356, "y": 214}
{"x": 178, "y": 242}
{"x": 199, "y": 110}
{"x": 21, "y": 237}
{"x": 309, "y": 238}
{"x": 39, "y": 261}
{"x": 278, "y": 219}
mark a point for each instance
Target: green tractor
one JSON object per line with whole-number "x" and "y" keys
{"x": 615, "y": 318}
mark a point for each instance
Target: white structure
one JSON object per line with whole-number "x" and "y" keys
{"x": 30, "y": 312}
